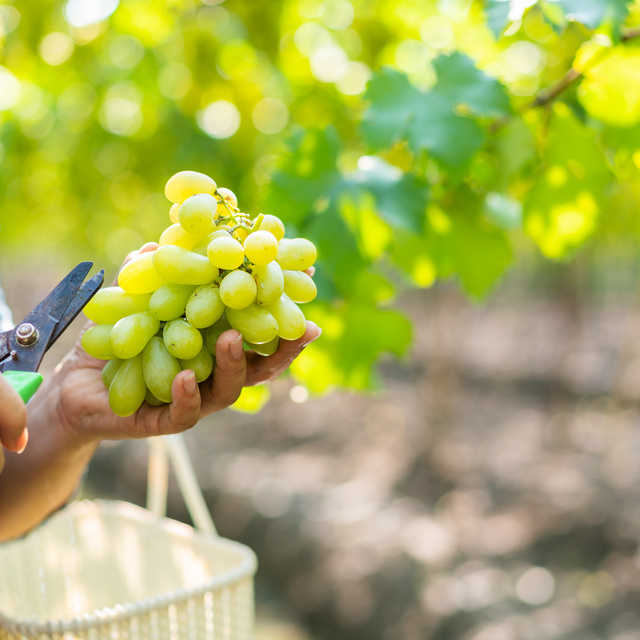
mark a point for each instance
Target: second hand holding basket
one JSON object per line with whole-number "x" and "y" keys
{"x": 110, "y": 570}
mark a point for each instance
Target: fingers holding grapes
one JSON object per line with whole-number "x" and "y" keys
{"x": 262, "y": 369}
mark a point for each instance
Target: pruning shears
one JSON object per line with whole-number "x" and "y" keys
{"x": 22, "y": 348}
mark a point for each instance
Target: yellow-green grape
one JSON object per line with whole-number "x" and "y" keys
{"x": 240, "y": 234}
{"x": 112, "y": 303}
{"x": 109, "y": 371}
{"x": 225, "y": 253}
{"x": 238, "y": 289}
{"x": 149, "y": 398}
{"x": 204, "y": 306}
{"x": 180, "y": 266}
{"x": 159, "y": 368}
{"x": 296, "y": 253}
{"x": 228, "y": 196}
{"x": 130, "y": 335}
{"x": 269, "y": 282}
{"x": 139, "y": 275}
{"x": 170, "y": 300}
{"x": 261, "y": 247}
{"x": 182, "y": 340}
{"x": 203, "y": 245}
{"x": 273, "y": 224}
{"x": 197, "y": 212}
{"x": 290, "y": 319}
{"x": 128, "y": 389}
{"x": 201, "y": 365}
{"x": 266, "y": 349}
{"x": 214, "y": 332}
{"x": 256, "y": 324}
{"x": 299, "y": 286}
{"x": 187, "y": 183}
{"x": 174, "y": 213}
{"x": 176, "y": 235}
{"x": 95, "y": 341}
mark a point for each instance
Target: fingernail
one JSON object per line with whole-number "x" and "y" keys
{"x": 21, "y": 443}
{"x": 319, "y": 330}
{"x": 189, "y": 383}
{"x": 235, "y": 348}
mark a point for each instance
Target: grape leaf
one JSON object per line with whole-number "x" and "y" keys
{"x": 304, "y": 174}
{"x": 563, "y": 208}
{"x": 400, "y": 197}
{"x": 460, "y": 242}
{"x": 497, "y": 13}
{"x": 462, "y": 83}
{"x": 354, "y": 338}
{"x": 610, "y": 91}
{"x": 442, "y": 121}
{"x": 594, "y": 13}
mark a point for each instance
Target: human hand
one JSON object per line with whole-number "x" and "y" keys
{"x": 13, "y": 420}
{"x": 82, "y": 400}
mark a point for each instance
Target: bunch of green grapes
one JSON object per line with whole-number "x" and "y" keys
{"x": 216, "y": 268}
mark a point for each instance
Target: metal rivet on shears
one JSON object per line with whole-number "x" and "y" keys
{"x": 26, "y": 334}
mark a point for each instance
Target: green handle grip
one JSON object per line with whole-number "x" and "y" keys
{"x": 26, "y": 383}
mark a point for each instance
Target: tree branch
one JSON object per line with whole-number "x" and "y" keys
{"x": 549, "y": 94}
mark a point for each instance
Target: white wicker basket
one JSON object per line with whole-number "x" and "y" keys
{"x": 101, "y": 570}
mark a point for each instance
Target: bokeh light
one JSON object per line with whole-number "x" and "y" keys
{"x": 220, "y": 119}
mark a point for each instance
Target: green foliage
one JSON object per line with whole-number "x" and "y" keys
{"x": 432, "y": 121}
{"x": 412, "y": 142}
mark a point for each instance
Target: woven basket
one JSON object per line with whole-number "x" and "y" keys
{"x": 110, "y": 570}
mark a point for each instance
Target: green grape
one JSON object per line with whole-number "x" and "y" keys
{"x": 159, "y": 368}
{"x": 256, "y": 324}
{"x": 225, "y": 253}
{"x": 110, "y": 304}
{"x": 299, "y": 286}
{"x": 109, "y": 371}
{"x": 203, "y": 245}
{"x": 290, "y": 319}
{"x": 272, "y": 224}
{"x": 139, "y": 275}
{"x": 174, "y": 213}
{"x": 149, "y": 398}
{"x": 175, "y": 235}
{"x": 197, "y": 213}
{"x": 204, "y": 306}
{"x": 180, "y": 266}
{"x": 228, "y": 196}
{"x": 296, "y": 253}
{"x": 182, "y": 339}
{"x": 130, "y": 335}
{"x": 214, "y": 332}
{"x": 261, "y": 247}
{"x": 201, "y": 365}
{"x": 238, "y": 289}
{"x": 187, "y": 183}
{"x": 170, "y": 300}
{"x": 95, "y": 341}
{"x": 269, "y": 283}
{"x": 128, "y": 389}
{"x": 266, "y": 349}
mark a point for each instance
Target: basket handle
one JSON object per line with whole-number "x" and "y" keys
{"x": 172, "y": 447}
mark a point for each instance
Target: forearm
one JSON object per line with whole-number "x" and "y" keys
{"x": 42, "y": 478}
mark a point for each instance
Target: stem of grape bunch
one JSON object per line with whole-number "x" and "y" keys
{"x": 224, "y": 202}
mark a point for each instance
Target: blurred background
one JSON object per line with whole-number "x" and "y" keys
{"x": 457, "y": 457}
